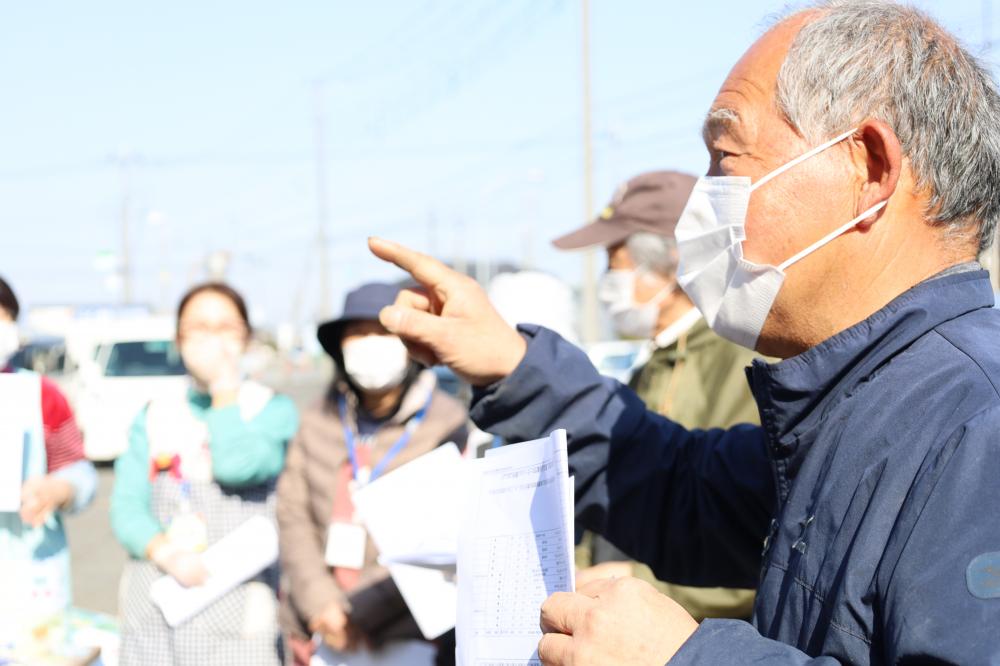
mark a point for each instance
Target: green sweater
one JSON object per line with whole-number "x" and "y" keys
{"x": 243, "y": 453}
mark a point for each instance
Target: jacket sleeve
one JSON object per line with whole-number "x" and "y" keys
{"x": 303, "y": 561}
{"x": 693, "y": 505}
{"x": 63, "y": 441}
{"x": 250, "y": 452}
{"x": 83, "y": 477}
{"x": 942, "y": 597}
{"x": 737, "y": 642}
{"x": 132, "y": 516}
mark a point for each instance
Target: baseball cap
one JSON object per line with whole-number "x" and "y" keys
{"x": 651, "y": 202}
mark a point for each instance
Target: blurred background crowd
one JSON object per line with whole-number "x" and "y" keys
{"x": 185, "y": 193}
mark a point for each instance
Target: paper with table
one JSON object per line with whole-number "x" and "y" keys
{"x": 515, "y": 549}
{"x": 506, "y": 520}
{"x": 412, "y": 515}
{"x": 232, "y": 560}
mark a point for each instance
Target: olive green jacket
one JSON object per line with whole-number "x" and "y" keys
{"x": 698, "y": 381}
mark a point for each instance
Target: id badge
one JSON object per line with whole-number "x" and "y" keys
{"x": 345, "y": 545}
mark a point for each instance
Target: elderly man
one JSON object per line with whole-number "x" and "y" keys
{"x": 684, "y": 372}
{"x": 871, "y": 143}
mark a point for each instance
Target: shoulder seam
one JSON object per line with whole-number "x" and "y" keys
{"x": 975, "y": 362}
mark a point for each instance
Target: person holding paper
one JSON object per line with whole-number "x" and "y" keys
{"x": 200, "y": 465}
{"x": 382, "y": 410}
{"x": 45, "y": 475}
{"x": 853, "y": 180}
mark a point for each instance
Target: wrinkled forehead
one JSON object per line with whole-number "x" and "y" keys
{"x": 747, "y": 96}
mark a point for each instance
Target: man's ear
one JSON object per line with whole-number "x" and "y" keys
{"x": 879, "y": 159}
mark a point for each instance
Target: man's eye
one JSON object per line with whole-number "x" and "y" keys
{"x": 723, "y": 154}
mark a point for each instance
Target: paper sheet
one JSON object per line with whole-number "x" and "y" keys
{"x": 20, "y": 411}
{"x": 412, "y": 515}
{"x": 234, "y": 559}
{"x": 515, "y": 549}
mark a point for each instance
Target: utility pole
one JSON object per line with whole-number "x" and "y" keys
{"x": 322, "y": 209}
{"x": 590, "y": 332}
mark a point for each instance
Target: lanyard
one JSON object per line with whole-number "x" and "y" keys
{"x": 393, "y": 451}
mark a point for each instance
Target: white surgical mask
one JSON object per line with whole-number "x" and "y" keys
{"x": 376, "y": 362}
{"x": 10, "y": 342}
{"x": 735, "y": 295}
{"x": 616, "y": 291}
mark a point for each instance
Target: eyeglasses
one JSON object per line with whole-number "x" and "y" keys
{"x": 200, "y": 330}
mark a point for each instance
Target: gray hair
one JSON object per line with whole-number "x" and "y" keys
{"x": 874, "y": 59}
{"x": 653, "y": 252}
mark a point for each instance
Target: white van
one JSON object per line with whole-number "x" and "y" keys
{"x": 120, "y": 367}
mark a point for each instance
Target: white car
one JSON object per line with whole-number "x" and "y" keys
{"x": 121, "y": 376}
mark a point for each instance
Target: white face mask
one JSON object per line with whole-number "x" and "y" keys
{"x": 376, "y": 362}
{"x": 616, "y": 291}
{"x": 735, "y": 295}
{"x": 10, "y": 342}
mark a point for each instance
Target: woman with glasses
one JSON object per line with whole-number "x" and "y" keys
{"x": 198, "y": 466}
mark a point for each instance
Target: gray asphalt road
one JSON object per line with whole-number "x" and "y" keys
{"x": 97, "y": 558}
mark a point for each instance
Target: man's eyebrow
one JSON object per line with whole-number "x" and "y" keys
{"x": 717, "y": 121}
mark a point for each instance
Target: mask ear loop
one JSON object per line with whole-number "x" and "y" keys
{"x": 802, "y": 158}
{"x": 662, "y": 294}
{"x": 830, "y": 236}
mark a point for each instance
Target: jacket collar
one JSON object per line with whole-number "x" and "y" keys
{"x": 795, "y": 394}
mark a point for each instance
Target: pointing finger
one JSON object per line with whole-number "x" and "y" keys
{"x": 426, "y": 270}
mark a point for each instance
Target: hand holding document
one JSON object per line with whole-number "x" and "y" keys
{"x": 515, "y": 549}
{"x": 234, "y": 559}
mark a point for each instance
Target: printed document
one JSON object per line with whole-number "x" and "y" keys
{"x": 515, "y": 549}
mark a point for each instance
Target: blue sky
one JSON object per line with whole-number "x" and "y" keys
{"x": 451, "y": 125}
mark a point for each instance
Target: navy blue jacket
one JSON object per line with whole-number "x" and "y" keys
{"x": 865, "y": 509}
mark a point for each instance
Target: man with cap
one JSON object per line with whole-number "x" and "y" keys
{"x": 685, "y": 371}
